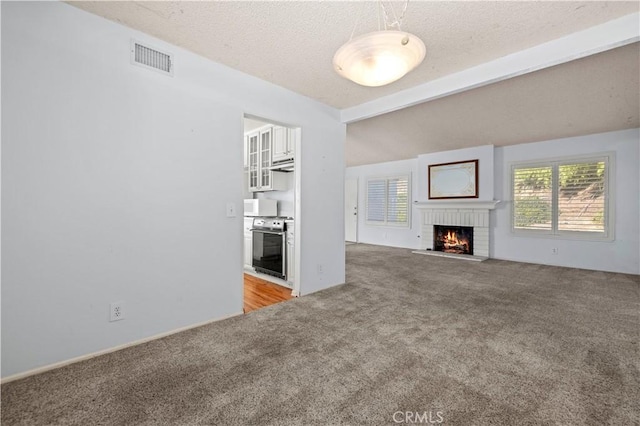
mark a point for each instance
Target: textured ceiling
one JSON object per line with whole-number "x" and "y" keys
{"x": 292, "y": 43}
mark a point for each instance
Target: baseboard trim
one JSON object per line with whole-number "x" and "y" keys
{"x": 60, "y": 364}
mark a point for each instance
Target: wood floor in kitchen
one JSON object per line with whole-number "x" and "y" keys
{"x": 259, "y": 293}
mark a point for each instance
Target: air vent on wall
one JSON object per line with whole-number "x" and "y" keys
{"x": 151, "y": 58}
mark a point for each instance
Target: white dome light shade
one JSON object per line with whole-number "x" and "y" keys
{"x": 379, "y": 58}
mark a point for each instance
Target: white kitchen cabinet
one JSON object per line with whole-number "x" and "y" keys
{"x": 259, "y": 149}
{"x": 291, "y": 254}
{"x": 265, "y": 159}
{"x": 253, "y": 159}
{"x": 283, "y": 145}
{"x": 280, "y": 144}
{"x": 248, "y": 242}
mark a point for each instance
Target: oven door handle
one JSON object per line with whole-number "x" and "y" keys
{"x": 264, "y": 231}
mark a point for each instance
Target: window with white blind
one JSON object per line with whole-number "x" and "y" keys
{"x": 388, "y": 201}
{"x": 568, "y": 197}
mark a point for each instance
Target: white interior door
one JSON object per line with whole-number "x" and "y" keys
{"x": 351, "y": 210}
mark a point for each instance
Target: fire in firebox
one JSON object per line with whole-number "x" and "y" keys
{"x": 453, "y": 239}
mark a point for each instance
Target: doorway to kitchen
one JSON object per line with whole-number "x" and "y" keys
{"x": 271, "y": 212}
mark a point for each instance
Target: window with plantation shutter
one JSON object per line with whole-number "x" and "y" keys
{"x": 565, "y": 197}
{"x": 532, "y": 197}
{"x": 581, "y": 197}
{"x": 376, "y": 200}
{"x": 388, "y": 201}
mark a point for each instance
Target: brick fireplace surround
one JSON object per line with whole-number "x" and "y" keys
{"x": 457, "y": 213}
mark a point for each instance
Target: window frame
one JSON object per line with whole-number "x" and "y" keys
{"x": 555, "y": 163}
{"x": 386, "y": 222}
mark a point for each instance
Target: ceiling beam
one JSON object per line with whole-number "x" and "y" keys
{"x": 616, "y": 33}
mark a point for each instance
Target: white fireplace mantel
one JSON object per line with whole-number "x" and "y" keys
{"x": 457, "y": 204}
{"x": 472, "y": 213}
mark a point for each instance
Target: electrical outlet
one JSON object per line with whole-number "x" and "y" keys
{"x": 116, "y": 311}
{"x": 320, "y": 269}
{"x": 554, "y": 250}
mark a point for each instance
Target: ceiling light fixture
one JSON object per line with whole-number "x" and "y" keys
{"x": 380, "y": 57}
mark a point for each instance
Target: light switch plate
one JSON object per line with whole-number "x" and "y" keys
{"x": 231, "y": 209}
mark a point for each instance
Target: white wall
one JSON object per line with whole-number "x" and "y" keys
{"x": 484, "y": 155}
{"x": 386, "y": 235}
{"x": 620, "y": 255}
{"x": 418, "y": 168}
{"x": 115, "y": 181}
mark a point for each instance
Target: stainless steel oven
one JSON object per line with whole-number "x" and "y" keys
{"x": 269, "y": 247}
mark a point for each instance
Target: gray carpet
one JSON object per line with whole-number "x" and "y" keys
{"x": 493, "y": 342}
